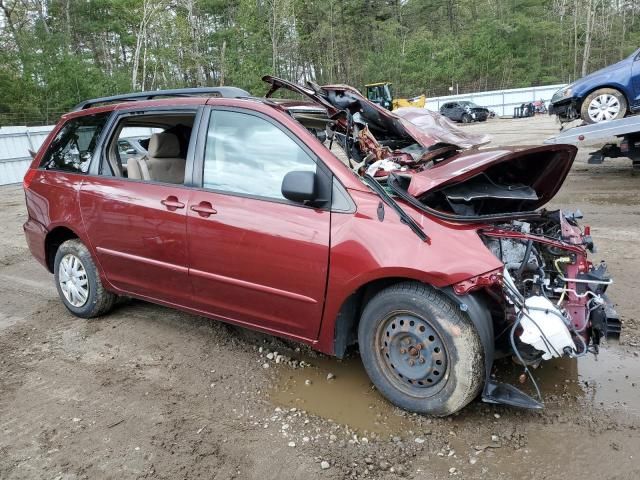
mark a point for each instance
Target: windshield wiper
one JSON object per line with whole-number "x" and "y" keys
{"x": 388, "y": 199}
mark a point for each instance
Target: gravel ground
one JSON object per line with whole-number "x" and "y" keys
{"x": 148, "y": 392}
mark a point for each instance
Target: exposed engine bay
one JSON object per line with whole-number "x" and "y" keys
{"x": 548, "y": 299}
{"x": 553, "y": 298}
{"x": 547, "y": 278}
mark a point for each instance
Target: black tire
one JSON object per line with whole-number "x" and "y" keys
{"x": 98, "y": 300}
{"x": 466, "y": 118}
{"x": 448, "y": 370}
{"x": 603, "y": 92}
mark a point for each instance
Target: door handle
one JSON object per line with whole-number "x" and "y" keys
{"x": 204, "y": 209}
{"x": 172, "y": 203}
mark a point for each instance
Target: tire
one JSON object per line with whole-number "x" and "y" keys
{"x": 466, "y": 118}
{"x": 445, "y": 378}
{"x": 613, "y": 103}
{"x": 78, "y": 281}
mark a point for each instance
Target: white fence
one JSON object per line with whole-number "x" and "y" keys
{"x": 500, "y": 101}
{"x": 15, "y": 143}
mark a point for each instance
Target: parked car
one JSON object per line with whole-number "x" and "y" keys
{"x": 239, "y": 213}
{"x": 464, "y": 111}
{"x": 607, "y": 94}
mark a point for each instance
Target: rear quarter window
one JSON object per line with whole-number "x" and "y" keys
{"x": 73, "y": 146}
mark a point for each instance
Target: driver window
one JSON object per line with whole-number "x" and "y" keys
{"x": 247, "y": 155}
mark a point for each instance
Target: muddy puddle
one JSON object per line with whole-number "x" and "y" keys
{"x": 348, "y": 399}
{"x": 611, "y": 381}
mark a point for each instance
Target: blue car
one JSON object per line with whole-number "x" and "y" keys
{"x": 607, "y": 94}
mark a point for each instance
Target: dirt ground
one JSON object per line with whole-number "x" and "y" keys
{"x": 148, "y": 392}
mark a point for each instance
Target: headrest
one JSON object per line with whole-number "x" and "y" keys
{"x": 164, "y": 145}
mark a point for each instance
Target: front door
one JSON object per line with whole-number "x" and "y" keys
{"x": 256, "y": 258}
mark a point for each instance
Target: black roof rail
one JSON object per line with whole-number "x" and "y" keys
{"x": 225, "y": 92}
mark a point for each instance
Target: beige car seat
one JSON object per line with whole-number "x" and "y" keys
{"x": 162, "y": 163}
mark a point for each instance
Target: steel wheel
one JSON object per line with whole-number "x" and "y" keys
{"x": 408, "y": 332}
{"x": 604, "y": 107}
{"x": 413, "y": 354}
{"x": 73, "y": 280}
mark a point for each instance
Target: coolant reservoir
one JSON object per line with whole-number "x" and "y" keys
{"x": 543, "y": 313}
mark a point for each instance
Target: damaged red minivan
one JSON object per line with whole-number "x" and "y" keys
{"x": 433, "y": 255}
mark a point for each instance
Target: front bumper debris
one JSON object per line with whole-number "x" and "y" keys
{"x": 566, "y": 110}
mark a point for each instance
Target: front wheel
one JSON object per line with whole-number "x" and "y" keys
{"x": 602, "y": 105}
{"x": 420, "y": 351}
{"x": 466, "y": 118}
{"x": 78, "y": 281}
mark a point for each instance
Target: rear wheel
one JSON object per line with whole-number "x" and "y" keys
{"x": 78, "y": 281}
{"x": 420, "y": 350}
{"x": 466, "y": 118}
{"x": 602, "y": 105}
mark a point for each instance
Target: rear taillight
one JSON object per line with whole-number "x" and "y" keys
{"x": 28, "y": 178}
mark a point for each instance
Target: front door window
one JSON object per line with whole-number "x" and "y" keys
{"x": 248, "y": 155}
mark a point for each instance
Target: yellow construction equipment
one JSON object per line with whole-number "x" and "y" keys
{"x": 381, "y": 94}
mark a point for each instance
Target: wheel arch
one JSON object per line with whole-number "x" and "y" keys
{"x": 52, "y": 242}
{"x": 345, "y": 326}
{"x": 345, "y": 331}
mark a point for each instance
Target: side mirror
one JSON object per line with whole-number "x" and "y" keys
{"x": 299, "y": 187}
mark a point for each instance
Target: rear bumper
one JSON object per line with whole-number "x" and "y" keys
{"x": 35, "y": 234}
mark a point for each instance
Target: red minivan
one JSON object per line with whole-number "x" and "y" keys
{"x": 431, "y": 254}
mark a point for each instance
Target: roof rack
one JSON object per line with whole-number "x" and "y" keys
{"x": 225, "y": 92}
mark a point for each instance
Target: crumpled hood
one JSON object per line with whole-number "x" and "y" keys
{"x": 522, "y": 177}
{"x": 430, "y": 128}
{"x": 418, "y": 125}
